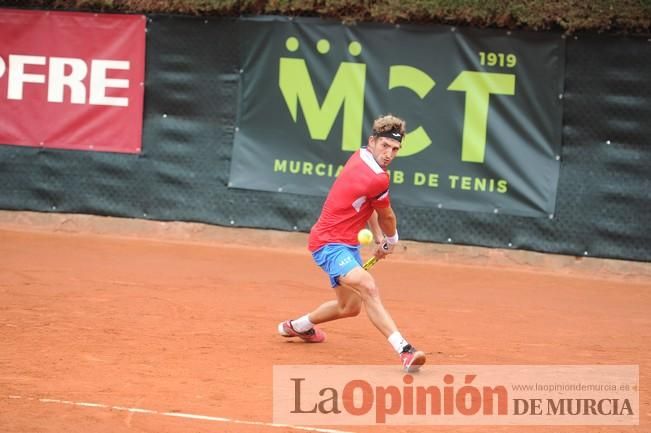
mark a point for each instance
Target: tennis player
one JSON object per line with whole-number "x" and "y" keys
{"x": 359, "y": 195}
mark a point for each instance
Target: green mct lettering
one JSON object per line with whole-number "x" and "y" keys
{"x": 346, "y": 89}
{"x": 478, "y": 87}
{"x": 420, "y": 83}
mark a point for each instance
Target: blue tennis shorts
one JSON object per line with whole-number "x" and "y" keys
{"x": 337, "y": 260}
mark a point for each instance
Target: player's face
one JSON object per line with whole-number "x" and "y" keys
{"x": 383, "y": 149}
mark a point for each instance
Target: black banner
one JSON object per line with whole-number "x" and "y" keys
{"x": 192, "y": 90}
{"x": 483, "y": 111}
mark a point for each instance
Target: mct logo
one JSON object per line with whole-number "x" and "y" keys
{"x": 346, "y": 92}
{"x": 483, "y": 111}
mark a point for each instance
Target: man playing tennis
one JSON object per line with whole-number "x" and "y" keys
{"x": 360, "y": 195}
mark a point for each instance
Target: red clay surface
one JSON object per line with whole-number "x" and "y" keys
{"x": 191, "y": 328}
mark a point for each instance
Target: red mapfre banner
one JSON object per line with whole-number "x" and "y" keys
{"x": 72, "y": 80}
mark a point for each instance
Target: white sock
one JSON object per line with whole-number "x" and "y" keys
{"x": 302, "y": 324}
{"x": 397, "y": 341}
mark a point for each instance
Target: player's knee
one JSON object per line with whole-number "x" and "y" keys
{"x": 352, "y": 309}
{"x": 363, "y": 282}
{"x": 368, "y": 289}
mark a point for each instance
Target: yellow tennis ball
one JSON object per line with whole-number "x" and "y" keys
{"x": 365, "y": 236}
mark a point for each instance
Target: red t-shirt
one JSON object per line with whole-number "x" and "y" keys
{"x": 361, "y": 187}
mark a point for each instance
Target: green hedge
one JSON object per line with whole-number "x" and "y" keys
{"x": 629, "y": 16}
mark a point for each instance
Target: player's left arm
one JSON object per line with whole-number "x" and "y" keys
{"x": 386, "y": 219}
{"x": 388, "y": 224}
{"x": 374, "y": 226}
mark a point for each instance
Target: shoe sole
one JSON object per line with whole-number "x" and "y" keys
{"x": 281, "y": 331}
{"x": 417, "y": 362}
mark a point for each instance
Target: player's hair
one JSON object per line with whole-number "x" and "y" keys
{"x": 388, "y": 123}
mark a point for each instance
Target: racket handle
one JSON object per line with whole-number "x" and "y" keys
{"x": 369, "y": 263}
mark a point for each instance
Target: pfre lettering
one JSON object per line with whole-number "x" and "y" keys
{"x": 65, "y": 73}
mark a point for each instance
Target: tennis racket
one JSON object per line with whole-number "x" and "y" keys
{"x": 369, "y": 263}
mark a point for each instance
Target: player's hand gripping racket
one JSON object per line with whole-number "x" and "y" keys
{"x": 373, "y": 260}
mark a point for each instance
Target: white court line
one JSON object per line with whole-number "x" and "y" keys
{"x": 91, "y": 405}
{"x": 177, "y": 414}
{"x": 133, "y": 409}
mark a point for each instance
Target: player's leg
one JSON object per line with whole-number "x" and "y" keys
{"x": 336, "y": 260}
{"x": 347, "y": 304}
{"x": 363, "y": 283}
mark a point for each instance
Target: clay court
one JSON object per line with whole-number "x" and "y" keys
{"x": 105, "y": 332}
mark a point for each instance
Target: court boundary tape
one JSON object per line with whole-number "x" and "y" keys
{"x": 183, "y": 415}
